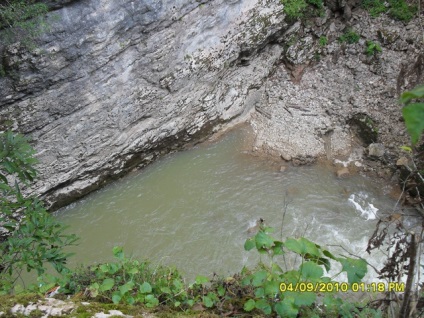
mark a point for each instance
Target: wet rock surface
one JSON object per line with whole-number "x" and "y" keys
{"x": 113, "y": 86}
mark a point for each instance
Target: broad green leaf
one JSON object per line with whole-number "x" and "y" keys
{"x": 145, "y": 288}
{"x": 177, "y": 284}
{"x": 277, "y": 249}
{"x": 323, "y": 261}
{"x": 259, "y": 292}
{"x": 116, "y": 297}
{"x": 258, "y": 278}
{"x": 129, "y": 300}
{"x": 332, "y": 302}
{"x": 107, "y": 284}
{"x": 272, "y": 288}
{"x": 151, "y": 301}
{"x": 249, "y": 244}
{"x": 302, "y": 246}
{"x": 207, "y": 301}
{"x": 133, "y": 271}
{"x": 329, "y": 255}
{"x": 104, "y": 268}
{"x": 200, "y": 280}
{"x": 166, "y": 290}
{"x": 414, "y": 120}
{"x": 177, "y": 304}
{"x": 355, "y": 269}
{"x": 249, "y": 305}
{"x": 263, "y": 241}
{"x": 262, "y": 304}
{"x": 302, "y": 298}
{"x": 416, "y": 93}
{"x": 311, "y": 271}
{"x": 126, "y": 287}
{"x": 287, "y": 308}
{"x": 290, "y": 277}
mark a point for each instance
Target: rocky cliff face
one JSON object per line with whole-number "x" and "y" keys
{"x": 115, "y": 84}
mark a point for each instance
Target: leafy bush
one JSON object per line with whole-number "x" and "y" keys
{"x": 286, "y": 292}
{"x": 22, "y": 20}
{"x": 397, "y": 9}
{"x": 350, "y": 37}
{"x": 29, "y": 235}
{"x": 400, "y": 10}
{"x": 294, "y": 9}
{"x": 372, "y": 48}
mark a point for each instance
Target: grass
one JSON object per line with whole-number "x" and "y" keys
{"x": 350, "y": 36}
{"x": 397, "y": 9}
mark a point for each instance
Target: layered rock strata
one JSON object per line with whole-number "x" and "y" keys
{"x": 114, "y": 85}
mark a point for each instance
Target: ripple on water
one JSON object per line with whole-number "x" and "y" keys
{"x": 192, "y": 209}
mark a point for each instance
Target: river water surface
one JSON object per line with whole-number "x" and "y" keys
{"x": 192, "y": 209}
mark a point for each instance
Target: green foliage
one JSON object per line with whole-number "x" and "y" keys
{"x": 268, "y": 289}
{"x": 294, "y": 9}
{"x": 287, "y": 293}
{"x": 128, "y": 281}
{"x": 350, "y": 36}
{"x": 30, "y": 236}
{"x": 316, "y": 3}
{"x": 323, "y": 41}
{"x": 400, "y": 10}
{"x": 397, "y": 9}
{"x": 372, "y": 48}
{"x": 298, "y": 9}
{"x": 374, "y": 7}
{"x": 22, "y": 20}
{"x": 413, "y": 112}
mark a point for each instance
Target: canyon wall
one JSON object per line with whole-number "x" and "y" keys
{"x": 113, "y": 85}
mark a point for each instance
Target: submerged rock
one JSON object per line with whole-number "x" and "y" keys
{"x": 342, "y": 172}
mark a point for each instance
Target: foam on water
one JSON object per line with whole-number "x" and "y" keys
{"x": 361, "y": 204}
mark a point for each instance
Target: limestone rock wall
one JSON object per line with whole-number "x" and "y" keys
{"x": 114, "y": 84}
{"x": 316, "y": 99}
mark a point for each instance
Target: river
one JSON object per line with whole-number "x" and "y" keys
{"x": 193, "y": 209}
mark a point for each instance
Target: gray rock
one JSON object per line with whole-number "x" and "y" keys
{"x": 112, "y": 313}
{"x": 376, "y": 150}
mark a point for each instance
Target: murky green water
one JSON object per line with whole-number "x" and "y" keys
{"x": 193, "y": 209}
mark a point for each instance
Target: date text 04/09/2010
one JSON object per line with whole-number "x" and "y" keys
{"x": 342, "y": 287}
